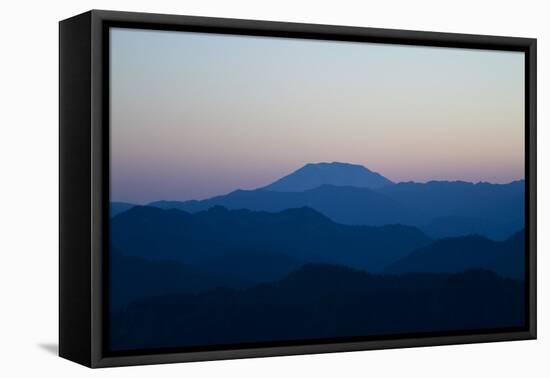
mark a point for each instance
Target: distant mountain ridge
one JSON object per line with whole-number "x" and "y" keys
{"x": 352, "y": 194}
{"x": 343, "y": 204}
{"x": 313, "y": 175}
{"x": 116, "y": 208}
{"x": 441, "y": 209}
{"x": 454, "y": 255}
{"x": 287, "y": 238}
{"x": 437, "y": 198}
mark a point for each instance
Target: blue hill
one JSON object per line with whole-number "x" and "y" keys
{"x": 453, "y": 255}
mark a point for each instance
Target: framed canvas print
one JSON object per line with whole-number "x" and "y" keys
{"x": 234, "y": 188}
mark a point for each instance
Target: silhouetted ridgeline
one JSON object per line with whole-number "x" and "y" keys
{"x": 352, "y": 194}
{"x": 323, "y": 301}
{"x": 343, "y": 204}
{"x": 460, "y": 208}
{"x": 440, "y": 208}
{"x": 116, "y": 208}
{"x": 301, "y": 235}
{"x": 507, "y": 258}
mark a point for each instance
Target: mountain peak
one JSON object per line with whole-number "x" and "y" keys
{"x": 313, "y": 175}
{"x": 334, "y": 165}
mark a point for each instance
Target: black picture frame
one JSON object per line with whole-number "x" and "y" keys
{"x": 84, "y": 181}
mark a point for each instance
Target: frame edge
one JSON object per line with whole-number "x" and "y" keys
{"x": 99, "y": 17}
{"x": 74, "y": 191}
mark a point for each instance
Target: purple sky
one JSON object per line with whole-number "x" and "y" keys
{"x": 196, "y": 115}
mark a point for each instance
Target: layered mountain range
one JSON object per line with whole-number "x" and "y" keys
{"x": 329, "y": 236}
{"x": 354, "y": 195}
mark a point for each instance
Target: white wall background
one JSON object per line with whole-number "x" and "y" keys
{"x": 29, "y": 187}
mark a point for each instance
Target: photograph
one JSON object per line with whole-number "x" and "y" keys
{"x": 282, "y": 191}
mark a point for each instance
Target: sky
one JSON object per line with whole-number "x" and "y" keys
{"x": 195, "y": 115}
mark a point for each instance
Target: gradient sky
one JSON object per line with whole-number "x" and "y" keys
{"x": 195, "y": 115}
